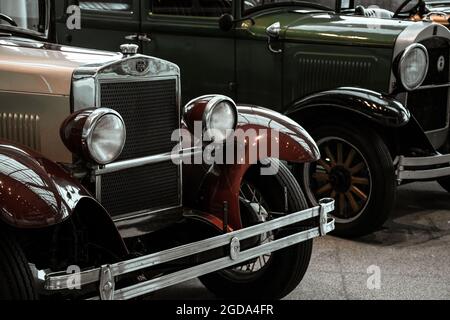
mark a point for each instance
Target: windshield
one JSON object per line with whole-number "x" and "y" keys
{"x": 23, "y": 16}
{"x": 391, "y": 5}
{"x": 256, "y": 5}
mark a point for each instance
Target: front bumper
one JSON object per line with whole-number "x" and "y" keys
{"x": 422, "y": 168}
{"x": 104, "y": 276}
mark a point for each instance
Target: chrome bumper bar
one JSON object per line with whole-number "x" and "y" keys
{"x": 412, "y": 168}
{"x": 105, "y": 275}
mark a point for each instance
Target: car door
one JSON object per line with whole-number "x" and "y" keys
{"x": 259, "y": 70}
{"x": 105, "y": 24}
{"x": 187, "y": 33}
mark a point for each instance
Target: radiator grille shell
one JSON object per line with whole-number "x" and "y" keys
{"x": 151, "y": 114}
{"x": 430, "y": 106}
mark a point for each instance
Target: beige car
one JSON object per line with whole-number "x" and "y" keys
{"x": 95, "y": 200}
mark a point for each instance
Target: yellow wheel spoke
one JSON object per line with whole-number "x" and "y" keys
{"x": 359, "y": 193}
{"x": 320, "y": 176}
{"x": 341, "y": 204}
{"x": 340, "y": 155}
{"x": 350, "y": 157}
{"x": 326, "y": 188}
{"x": 357, "y": 168}
{"x": 352, "y": 201}
{"x": 363, "y": 181}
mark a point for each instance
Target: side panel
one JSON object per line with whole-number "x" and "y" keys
{"x": 311, "y": 68}
{"x": 34, "y": 120}
{"x": 204, "y": 53}
{"x": 103, "y": 25}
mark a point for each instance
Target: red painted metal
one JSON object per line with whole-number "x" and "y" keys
{"x": 34, "y": 191}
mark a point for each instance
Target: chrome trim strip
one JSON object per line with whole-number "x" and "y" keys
{"x": 433, "y": 86}
{"x": 140, "y": 162}
{"x": 424, "y": 161}
{"x": 424, "y": 174}
{"x": 216, "y": 265}
{"x": 142, "y": 214}
{"x": 60, "y": 281}
{"x": 405, "y": 174}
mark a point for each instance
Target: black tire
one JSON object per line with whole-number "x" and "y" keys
{"x": 16, "y": 281}
{"x": 286, "y": 268}
{"x": 360, "y": 209}
{"x": 444, "y": 183}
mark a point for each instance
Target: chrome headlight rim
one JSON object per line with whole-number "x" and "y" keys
{"x": 89, "y": 129}
{"x": 404, "y": 56}
{"x": 215, "y": 101}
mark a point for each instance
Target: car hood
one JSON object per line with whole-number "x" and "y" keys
{"x": 330, "y": 28}
{"x": 38, "y": 67}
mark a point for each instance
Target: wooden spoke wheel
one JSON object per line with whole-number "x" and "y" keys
{"x": 356, "y": 170}
{"x": 343, "y": 174}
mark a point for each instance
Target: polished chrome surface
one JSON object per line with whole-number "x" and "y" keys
{"x": 274, "y": 30}
{"x": 58, "y": 281}
{"x": 409, "y": 168}
{"x": 90, "y": 125}
{"x": 86, "y": 86}
{"x": 107, "y": 283}
{"x": 414, "y": 33}
{"x": 407, "y": 51}
{"x": 129, "y": 49}
{"x": 86, "y": 78}
{"x": 140, "y": 162}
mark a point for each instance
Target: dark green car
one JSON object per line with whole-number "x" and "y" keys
{"x": 373, "y": 92}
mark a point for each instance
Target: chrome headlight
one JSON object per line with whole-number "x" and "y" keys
{"x": 216, "y": 115}
{"x": 220, "y": 118}
{"x": 96, "y": 135}
{"x": 104, "y": 135}
{"x": 413, "y": 66}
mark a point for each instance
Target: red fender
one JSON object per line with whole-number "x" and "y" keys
{"x": 222, "y": 183}
{"x": 34, "y": 191}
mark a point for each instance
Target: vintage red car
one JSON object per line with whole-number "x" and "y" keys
{"x": 99, "y": 201}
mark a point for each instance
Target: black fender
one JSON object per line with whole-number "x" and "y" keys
{"x": 392, "y": 120}
{"x": 371, "y": 105}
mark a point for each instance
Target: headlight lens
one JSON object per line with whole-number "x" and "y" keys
{"x": 220, "y": 118}
{"x": 104, "y": 135}
{"x": 413, "y": 66}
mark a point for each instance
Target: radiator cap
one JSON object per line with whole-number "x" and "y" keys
{"x": 129, "y": 49}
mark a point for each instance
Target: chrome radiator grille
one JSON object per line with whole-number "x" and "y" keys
{"x": 150, "y": 112}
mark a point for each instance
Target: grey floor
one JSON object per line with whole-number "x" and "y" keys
{"x": 411, "y": 253}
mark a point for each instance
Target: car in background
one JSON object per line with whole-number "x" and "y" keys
{"x": 373, "y": 92}
{"x": 97, "y": 198}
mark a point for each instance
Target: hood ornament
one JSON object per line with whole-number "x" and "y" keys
{"x": 129, "y": 49}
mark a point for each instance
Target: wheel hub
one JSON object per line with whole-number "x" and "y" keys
{"x": 341, "y": 179}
